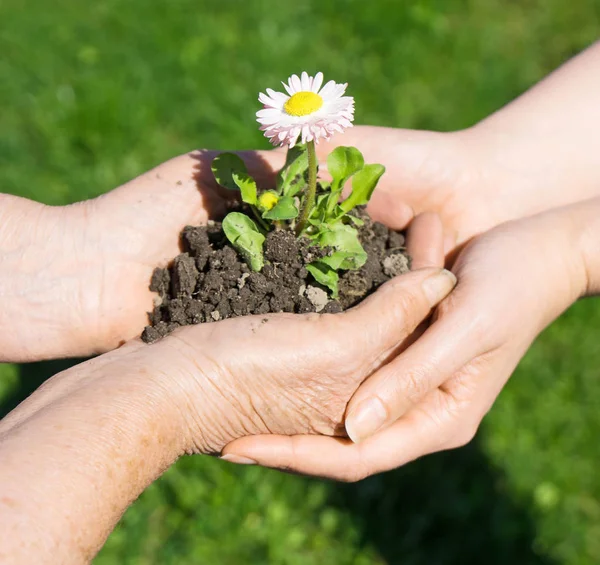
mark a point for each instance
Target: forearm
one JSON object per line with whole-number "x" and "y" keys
{"x": 551, "y": 133}
{"x": 83, "y": 448}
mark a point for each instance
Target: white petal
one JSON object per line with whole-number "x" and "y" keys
{"x": 293, "y": 137}
{"x": 317, "y": 82}
{"x": 269, "y": 102}
{"x": 295, "y": 83}
{"x": 268, "y": 112}
{"x": 327, "y": 89}
{"x": 339, "y": 90}
{"x": 276, "y": 95}
{"x": 305, "y": 81}
{"x": 335, "y": 115}
{"x": 268, "y": 121}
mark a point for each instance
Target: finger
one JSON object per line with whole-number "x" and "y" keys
{"x": 336, "y": 458}
{"x": 424, "y": 241}
{"x": 388, "y": 208}
{"x": 447, "y": 345}
{"x": 450, "y": 240}
{"x": 391, "y": 314}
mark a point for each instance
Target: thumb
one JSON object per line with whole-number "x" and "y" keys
{"x": 445, "y": 348}
{"x": 388, "y": 317}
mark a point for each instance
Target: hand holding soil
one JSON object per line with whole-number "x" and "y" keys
{"x": 76, "y": 281}
{"x": 138, "y": 408}
{"x": 258, "y": 389}
{"x": 298, "y": 246}
{"x": 434, "y": 395}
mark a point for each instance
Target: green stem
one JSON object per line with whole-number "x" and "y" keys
{"x": 334, "y": 198}
{"x": 262, "y": 223}
{"x": 311, "y": 190}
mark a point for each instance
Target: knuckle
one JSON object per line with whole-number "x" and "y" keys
{"x": 354, "y": 475}
{"x": 411, "y": 307}
{"x": 480, "y": 324}
{"x": 482, "y": 328}
{"x": 446, "y": 306}
{"x": 406, "y": 387}
{"x": 414, "y": 384}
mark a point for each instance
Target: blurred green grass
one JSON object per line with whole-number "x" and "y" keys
{"x": 93, "y": 94}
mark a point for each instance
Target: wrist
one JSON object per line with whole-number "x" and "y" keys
{"x": 535, "y": 150}
{"x": 588, "y": 220}
{"x": 42, "y": 306}
{"x": 571, "y": 240}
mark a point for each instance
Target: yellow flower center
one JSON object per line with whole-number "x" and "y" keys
{"x": 303, "y": 103}
{"x": 267, "y": 200}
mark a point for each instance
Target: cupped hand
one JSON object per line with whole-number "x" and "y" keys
{"x": 80, "y": 274}
{"x": 475, "y": 179}
{"x": 513, "y": 281}
{"x": 113, "y": 424}
{"x": 281, "y": 373}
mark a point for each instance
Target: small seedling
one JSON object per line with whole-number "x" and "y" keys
{"x": 300, "y": 201}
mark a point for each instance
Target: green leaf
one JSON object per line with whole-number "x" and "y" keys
{"x": 356, "y": 221}
{"x": 291, "y": 178}
{"x": 324, "y": 275}
{"x": 243, "y": 234}
{"x": 342, "y": 163}
{"x": 285, "y": 209}
{"x": 348, "y": 252}
{"x": 224, "y": 165}
{"x": 363, "y": 185}
{"x": 319, "y": 213}
{"x": 247, "y": 186}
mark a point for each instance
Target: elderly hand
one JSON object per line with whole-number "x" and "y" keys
{"x": 513, "y": 281}
{"x": 74, "y": 279}
{"x": 113, "y": 424}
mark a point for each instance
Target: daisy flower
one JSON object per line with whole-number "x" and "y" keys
{"x": 307, "y": 111}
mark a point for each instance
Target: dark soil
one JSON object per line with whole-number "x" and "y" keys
{"x": 209, "y": 281}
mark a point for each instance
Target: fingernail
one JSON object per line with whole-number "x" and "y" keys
{"x": 365, "y": 419}
{"x": 438, "y": 286}
{"x": 238, "y": 459}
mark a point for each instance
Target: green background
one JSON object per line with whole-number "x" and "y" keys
{"x": 94, "y": 93}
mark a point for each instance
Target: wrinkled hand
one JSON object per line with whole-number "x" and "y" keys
{"x": 282, "y": 373}
{"x": 513, "y": 281}
{"x": 79, "y": 274}
{"x": 113, "y": 424}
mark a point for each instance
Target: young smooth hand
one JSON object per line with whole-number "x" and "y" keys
{"x": 537, "y": 153}
{"x": 513, "y": 281}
